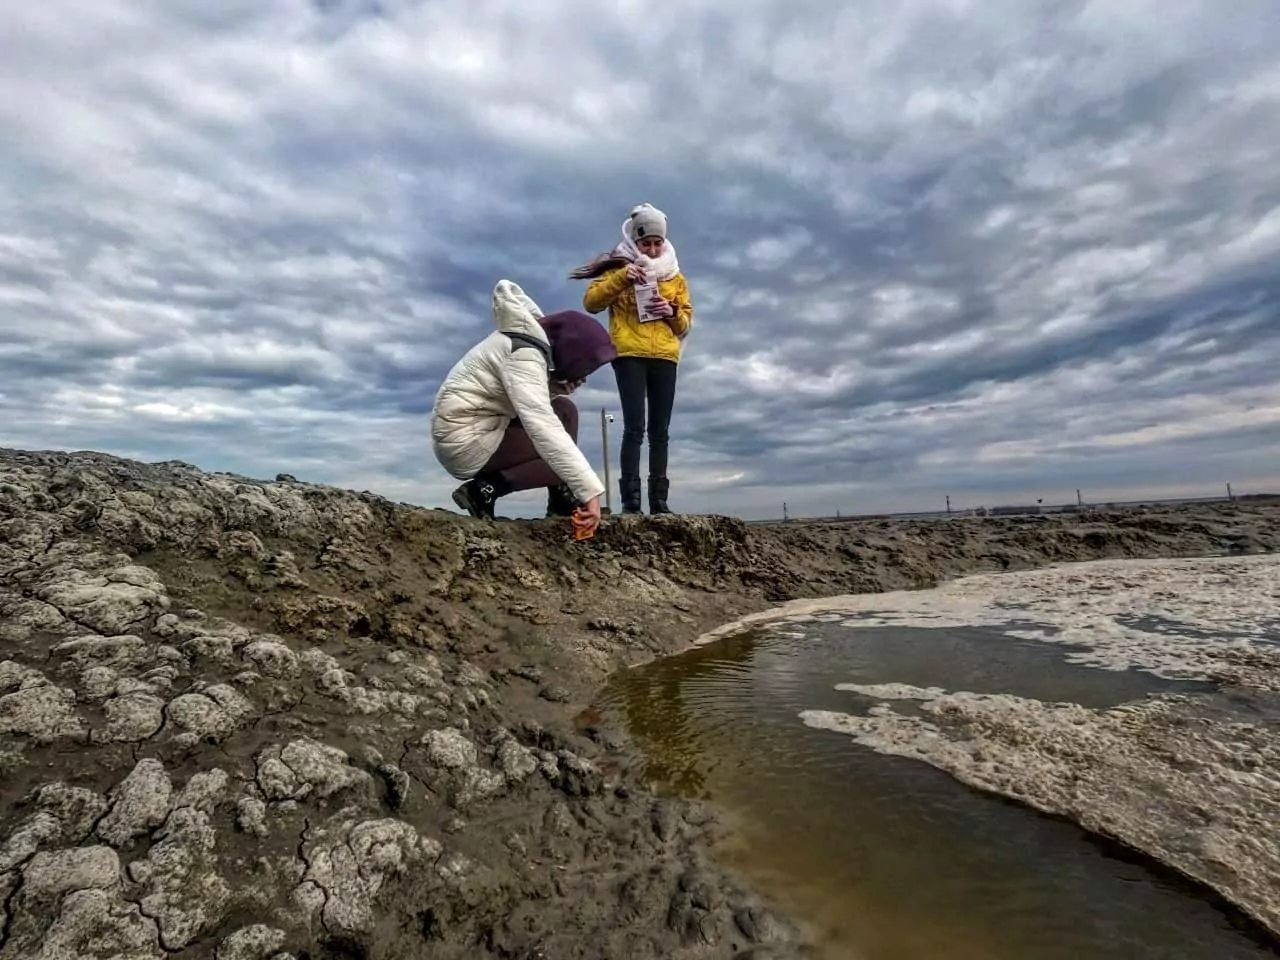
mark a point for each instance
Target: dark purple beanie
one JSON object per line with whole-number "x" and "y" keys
{"x": 579, "y": 344}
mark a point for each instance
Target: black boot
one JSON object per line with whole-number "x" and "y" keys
{"x": 478, "y": 495}
{"x": 658, "y": 488}
{"x": 629, "y": 489}
{"x": 560, "y": 502}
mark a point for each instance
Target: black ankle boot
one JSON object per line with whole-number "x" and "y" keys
{"x": 560, "y": 502}
{"x": 658, "y": 488}
{"x": 478, "y": 495}
{"x": 629, "y": 489}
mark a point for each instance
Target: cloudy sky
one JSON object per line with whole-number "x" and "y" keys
{"x": 996, "y": 250}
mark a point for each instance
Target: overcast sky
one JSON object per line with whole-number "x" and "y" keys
{"x": 998, "y": 250}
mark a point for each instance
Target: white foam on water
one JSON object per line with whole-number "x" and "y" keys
{"x": 1194, "y": 788}
{"x": 1086, "y": 605}
{"x": 789, "y": 634}
{"x": 1199, "y": 794}
{"x": 892, "y": 691}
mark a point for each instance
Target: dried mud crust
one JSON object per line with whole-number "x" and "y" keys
{"x": 259, "y": 720}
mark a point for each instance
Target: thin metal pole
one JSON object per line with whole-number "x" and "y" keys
{"x": 604, "y": 445}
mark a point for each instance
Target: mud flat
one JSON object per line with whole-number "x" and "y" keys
{"x": 252, "y": 719}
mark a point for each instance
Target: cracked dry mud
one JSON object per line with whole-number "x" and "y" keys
{"x": 255, "y": 720}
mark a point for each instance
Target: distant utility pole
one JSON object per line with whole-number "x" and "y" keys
{"x": 604, "y": 445}
{"x": 948, "y": 503}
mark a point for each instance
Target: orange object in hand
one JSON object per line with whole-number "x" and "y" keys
{"x": 580, "y": 530}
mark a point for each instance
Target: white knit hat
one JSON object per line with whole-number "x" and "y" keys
{"x": 646, "y": 221}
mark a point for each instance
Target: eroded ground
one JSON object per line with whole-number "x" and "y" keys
{"x": 269, "y": 719}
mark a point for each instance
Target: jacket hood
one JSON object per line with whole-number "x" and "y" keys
{"x": 515, "y": 312}
{"x": 579, "y": 344}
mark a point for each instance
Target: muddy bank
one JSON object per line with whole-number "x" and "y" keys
{"x": 262, "y": 720}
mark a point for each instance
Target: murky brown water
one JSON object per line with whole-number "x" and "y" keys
{"x": 890, "y": 859}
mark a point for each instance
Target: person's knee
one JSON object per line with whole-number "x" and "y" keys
{"x": 567, "y": 412}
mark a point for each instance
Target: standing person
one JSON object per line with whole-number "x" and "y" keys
{"x": 649, "y": 335}
{"x": 503, "y": 420}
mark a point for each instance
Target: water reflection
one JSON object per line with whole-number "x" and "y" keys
{"x": 886, "y": 858}
{"x": 661, "y": 709}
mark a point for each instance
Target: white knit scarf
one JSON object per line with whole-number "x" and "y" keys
{"x": 664, "y": 266}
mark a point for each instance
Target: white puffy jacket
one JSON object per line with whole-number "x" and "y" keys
{"x": 495, "y": 383}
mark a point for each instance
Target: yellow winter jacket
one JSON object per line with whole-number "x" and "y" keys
{"x": 659, "y": 339}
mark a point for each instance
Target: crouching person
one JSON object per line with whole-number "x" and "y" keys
{"x": 503, "y": 420}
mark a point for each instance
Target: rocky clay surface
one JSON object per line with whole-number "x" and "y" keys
{"x": 253, "y": 720}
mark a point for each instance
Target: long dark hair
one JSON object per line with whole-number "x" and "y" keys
{"x": 601, "y": 264}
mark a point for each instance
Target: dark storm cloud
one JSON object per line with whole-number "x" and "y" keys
{"x": 935, "y": 246}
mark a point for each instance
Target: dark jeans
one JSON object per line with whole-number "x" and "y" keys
{"x": 518, "y": 461}
{"x": 644, "y": 381}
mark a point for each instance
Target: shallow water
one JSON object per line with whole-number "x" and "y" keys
{"x": 890, "y": 859}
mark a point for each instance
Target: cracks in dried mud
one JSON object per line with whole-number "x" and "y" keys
{"x": 155, "y": 922}
{"x": 6, "y": 929}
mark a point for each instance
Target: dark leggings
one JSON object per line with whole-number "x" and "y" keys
{"x": 518, "y": 461}
{"x": 642, "y": 379}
